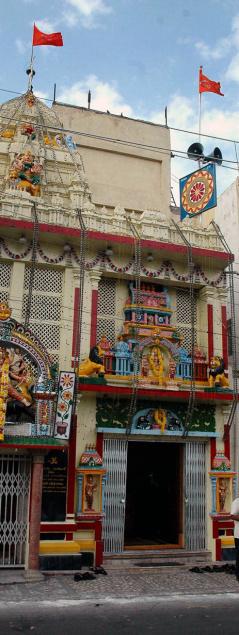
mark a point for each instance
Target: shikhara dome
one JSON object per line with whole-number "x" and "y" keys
{"x": 37, "y": 158}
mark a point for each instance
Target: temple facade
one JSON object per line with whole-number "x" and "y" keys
{"x": 114, "y": 387}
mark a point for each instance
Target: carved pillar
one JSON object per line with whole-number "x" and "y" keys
{"x": 35, "y": 512}
{"x": 206, "y": 296}
{"x": 222, "y": 295}
{"x": 95, "y": 276}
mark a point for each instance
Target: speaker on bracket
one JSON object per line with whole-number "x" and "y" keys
{"x": 215, "y": 157}
{"x": 195, "y": 151}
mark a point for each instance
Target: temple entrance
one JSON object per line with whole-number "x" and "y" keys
{"x": 153, "y": 515}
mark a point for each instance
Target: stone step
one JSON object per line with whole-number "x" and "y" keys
{"x": 149, "y": 559}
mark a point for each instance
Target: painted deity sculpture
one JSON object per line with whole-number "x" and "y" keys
{"x": 93, "y": 364}
{"x": 156, "y": 363}
{"x": 18, "y": 397}
{"x": 222, "y": 491}
{"x": 90, "y": 487}
{"x": 25, "y": 173}
{"x": 217, "y": 376}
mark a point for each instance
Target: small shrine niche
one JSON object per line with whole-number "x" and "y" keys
{"x": 223, "y": 482}
{"x": 90, "y": 483}
{"x": 27, "y": 381}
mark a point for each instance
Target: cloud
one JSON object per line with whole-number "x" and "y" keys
{"x": 85, "y": 11}
{"x": 104, "y": 96}
{"x": 22, "y": 47}
{"x": 45, "y": 25}
{"x": 41, "y": 95}
{"x": 182, "y": 114}
{"x": 220, "y": 50}
{"x": 89, "y": 7}
{"x": 223, "y": 46}
{"x": 233, "y": 69}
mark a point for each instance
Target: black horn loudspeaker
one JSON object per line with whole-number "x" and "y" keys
{"x": 195, "y": 151}
{"x": 215, "y": 157}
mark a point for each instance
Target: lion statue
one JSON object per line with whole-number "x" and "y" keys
{"x": 217, "y": 376}
{"x": 93, "y": 364}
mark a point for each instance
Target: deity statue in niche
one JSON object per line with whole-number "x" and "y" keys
{"x": 222, "y": 493}
{"x": 156, "y": 363}
{"x": 90, "y": 487}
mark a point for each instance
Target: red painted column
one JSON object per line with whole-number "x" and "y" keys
{"x": 227, "y": 447}
{"x": 210, "y": 331}
{"x": 35, "y": 512}
{"x": 99, "y": 443}
{"x": 213, "y": 449}
{"x": 224, "y": 336}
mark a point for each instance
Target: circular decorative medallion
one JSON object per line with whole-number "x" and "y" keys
{"x": 197, "y": 191}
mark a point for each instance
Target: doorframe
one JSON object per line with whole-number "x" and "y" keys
{"x": 181, "y": 537}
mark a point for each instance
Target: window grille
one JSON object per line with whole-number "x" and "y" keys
{"x": 183, "y": 317}
{"x": 106, "y": 310}
{"x": 45, "y": 318}
{"x": 5, "y": 281}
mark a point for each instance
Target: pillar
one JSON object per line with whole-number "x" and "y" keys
{"x": 95, "y": 276}
{"x": 206, "y": 326}
{"x": 17, "y": 290}
{"x": 35, "y": 512}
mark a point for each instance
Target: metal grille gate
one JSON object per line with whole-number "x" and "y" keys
{"x": 115, "y": 460}
{"x": 195, "y": 503}
{"x": 14, "y": 496}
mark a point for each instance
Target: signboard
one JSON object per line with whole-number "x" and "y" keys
{"x": 64, "y": 405}
{"x": 198, "y": 191}
{"x": 54, "y": 486}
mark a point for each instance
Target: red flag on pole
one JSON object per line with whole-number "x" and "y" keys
{"x": 49, "y": 39}
{"x": 207, "y": 85}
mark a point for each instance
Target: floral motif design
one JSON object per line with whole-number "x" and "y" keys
{"x": 64, "y": 405}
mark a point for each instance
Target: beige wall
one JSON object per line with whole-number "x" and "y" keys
{"x": 134, "y": 177}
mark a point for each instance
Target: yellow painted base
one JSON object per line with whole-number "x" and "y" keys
{"x": 227, "y": 541}
{"x": 65, "y": 546}
{"x": 59, "y": 546}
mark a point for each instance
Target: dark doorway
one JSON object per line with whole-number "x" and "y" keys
{"x": 153, "y": 494}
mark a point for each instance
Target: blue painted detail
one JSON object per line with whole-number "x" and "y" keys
{"x": 214, "y": 485}
{"x": 79, "y": 493}
{"x": 212, "y": 202}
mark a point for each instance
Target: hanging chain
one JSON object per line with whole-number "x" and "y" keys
{"x": 82, "y": 256}
{"x": 232, "y": 413}
{"x": 192, "y": 395}
{"x": 136, "y": 352}
{"x": 32, "y": 265}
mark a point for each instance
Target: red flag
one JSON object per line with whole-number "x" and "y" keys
{"x": 207, "y": 85}
{"x": 49, "y": 39}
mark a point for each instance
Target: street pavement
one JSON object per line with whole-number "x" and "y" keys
{"x": 136, "y": 582}
{"x": 167, "y": 600}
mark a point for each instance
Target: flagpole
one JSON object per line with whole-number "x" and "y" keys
{"x": 200, "y": 117}
{"x": 31, "y": 71}
{"x": 200, "y": 113}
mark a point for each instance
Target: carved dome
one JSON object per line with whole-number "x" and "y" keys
{"x": 38, "y": 160}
